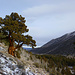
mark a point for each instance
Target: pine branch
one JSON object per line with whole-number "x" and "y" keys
{"x": 18, "y": 46}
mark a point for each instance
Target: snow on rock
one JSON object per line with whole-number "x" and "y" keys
{"x": 1, "y": 48}
{"x": 9, "y": 66}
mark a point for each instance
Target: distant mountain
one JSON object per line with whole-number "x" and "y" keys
{"x": 63, "y": 45}
{"x": 27, "y": 48}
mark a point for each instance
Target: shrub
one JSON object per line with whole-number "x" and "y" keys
{"x": 36, "y": 64}
{"x": 31, "y": 57}
{"x": 27, "y": 59}
{"x": 17, "y": 54}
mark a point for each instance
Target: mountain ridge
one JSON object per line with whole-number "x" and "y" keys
{"x": 62, "y": 45}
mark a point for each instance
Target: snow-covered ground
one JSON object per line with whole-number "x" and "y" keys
{"x": 9, "y": 66}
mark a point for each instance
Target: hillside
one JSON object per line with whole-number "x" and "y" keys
{"x": 24, "y": 65}
{"x": 63, "y": 45}
{"x": 10, "y": 65}
{"x": 32, "y": 64}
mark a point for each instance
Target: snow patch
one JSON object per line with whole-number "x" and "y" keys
{"x": 9, "y": 66}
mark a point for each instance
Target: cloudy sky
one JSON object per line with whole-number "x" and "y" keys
{"x": 46, "y": 19}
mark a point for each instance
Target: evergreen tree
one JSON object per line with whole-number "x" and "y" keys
{"x": 13, "y": 26}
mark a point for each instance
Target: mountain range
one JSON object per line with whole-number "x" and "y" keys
{"x": 63, "y": 45}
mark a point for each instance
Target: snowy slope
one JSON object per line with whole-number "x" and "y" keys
{"x": 10, "y": 66}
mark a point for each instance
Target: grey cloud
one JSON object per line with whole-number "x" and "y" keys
{"x": 48, "y": 9}
{"x": 51, "y": 19}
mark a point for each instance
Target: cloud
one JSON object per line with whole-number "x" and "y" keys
{"x": 36, "y": 12}
{"x": 50, "y": 20}
{"x": 48, "y": 9}
{"x": 45, "y": 29}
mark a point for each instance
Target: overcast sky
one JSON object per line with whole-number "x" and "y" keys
{"x": 46, "y": 19}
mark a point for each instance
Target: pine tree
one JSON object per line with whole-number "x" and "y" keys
{"x": 13, "y": 26}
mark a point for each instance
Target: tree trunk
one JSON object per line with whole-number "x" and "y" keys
{"x": 11, "y": 50}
